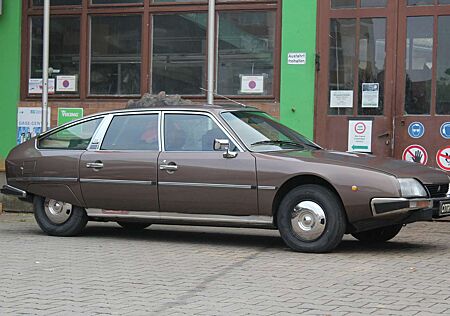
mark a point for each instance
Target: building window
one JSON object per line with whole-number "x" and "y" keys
{"x": 246, "y": 49}
{"x": 64, "y": 57}
{"x": 109, "y": 49}
{"x": 57, "y": 2}
{"x": 115, "y": 67}
{"x": 179, "y": 53}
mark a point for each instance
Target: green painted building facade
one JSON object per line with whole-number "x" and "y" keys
{"x": 297, "y": 81}
{"x": 10, "y": 34}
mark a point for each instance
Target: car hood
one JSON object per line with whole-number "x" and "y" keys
{"x": 397, "y": 168}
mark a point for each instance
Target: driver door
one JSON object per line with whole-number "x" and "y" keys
{"x": 193, "y": 178}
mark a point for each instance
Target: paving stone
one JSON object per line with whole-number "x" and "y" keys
{"x": 175, "y": 270}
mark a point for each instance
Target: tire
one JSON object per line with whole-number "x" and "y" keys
{"x": 316, "y": 208}
{"x": 133, "y": 225}
{"x": 378, "y": 235}
{"x": 72, "y": 225}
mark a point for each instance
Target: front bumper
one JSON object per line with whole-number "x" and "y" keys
{"x": 387, "y": 206}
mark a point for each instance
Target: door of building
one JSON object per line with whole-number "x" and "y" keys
{"x": 385, "y": 62}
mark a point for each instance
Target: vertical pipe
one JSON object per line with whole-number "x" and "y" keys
{"x": 211, "y": 42}
{"x": 45, "y": 57}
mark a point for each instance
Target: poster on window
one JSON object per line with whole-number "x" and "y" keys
{"x": 341, "y": 99}
{"x": 66, "y": 83}
{"x": 29, "y": 123}
{"x": 35, "y": 86}
{"x": 252, "y": 84}
{"x": 370, "y": 95}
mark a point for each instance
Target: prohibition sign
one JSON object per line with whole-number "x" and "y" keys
{"x": 360, "y": 128}
{"x": 415, "y": 153}
{"x": 443, "y": 158}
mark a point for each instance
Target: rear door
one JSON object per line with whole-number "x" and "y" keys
{"x": 122, "y": 173}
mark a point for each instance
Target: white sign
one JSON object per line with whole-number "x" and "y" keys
{"x": 252, "y": 84}
{"x": 341, "y": 99}
{"x": 296, "y": 58}
{"x": 360, "y": 136}
{"x": 66, "y": 83}
{"x": 35, "y": 86}
{"x": 370, "y": 95}
{"x": 29, "y": 123}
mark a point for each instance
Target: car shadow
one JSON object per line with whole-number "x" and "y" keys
{"x": 256, "y": 239}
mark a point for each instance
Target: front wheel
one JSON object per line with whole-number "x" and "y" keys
{"x": 57, "y": 218}
{"x": 378, "y": 235}
{"x": 311, "y": 219}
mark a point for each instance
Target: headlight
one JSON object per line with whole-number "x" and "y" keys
{"x": 411, "y": 188}
{"x": 448, "y": 192}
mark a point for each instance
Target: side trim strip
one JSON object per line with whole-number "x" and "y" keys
{"x": 267, "y": 187}
{"x": 111, "y": 181}
{"x": 208, "y": 185}
{"x": 204, "y": 219}
{"x": 43, "y": 179}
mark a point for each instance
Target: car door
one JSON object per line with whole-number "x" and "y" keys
{"x": 121, "y": 173}
{"x": 193, "y": 178}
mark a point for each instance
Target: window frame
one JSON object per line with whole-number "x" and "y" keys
{"x": 146, "y": 10}
{"x": 69, "y": 125}
{"x": 230, "y": 136}
{"x": 108, "y": 125}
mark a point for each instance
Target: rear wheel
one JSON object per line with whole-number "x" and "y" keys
{"x": 133, "y": 225}
{"x": 57, "y": 218}
{"x": 378, "y": 235}
{"x": 311, "y": 219}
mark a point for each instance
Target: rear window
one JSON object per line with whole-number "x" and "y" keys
{"x": 75, "y": 137}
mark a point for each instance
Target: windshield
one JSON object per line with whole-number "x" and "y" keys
{"x": 260, "y": 132}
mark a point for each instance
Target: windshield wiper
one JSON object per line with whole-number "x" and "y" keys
{"x": 278, "y": 142}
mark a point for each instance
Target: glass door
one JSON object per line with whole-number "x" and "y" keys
{"x": 422, "y": 114}
{"x": 355, "y": 67}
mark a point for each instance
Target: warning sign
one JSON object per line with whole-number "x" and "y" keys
{"x": 415, "y": 153}
{"x": 443, "y": 158}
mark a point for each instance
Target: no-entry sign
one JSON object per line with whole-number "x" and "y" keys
{"x": 443, "y": 158}
{"x": 415, "y": 153}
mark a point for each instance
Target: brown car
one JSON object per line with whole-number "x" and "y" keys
{"x": 218, "y": 166}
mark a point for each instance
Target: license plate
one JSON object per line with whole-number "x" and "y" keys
{"x": 445, "y": 208}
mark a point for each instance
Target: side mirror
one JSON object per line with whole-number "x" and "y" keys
{"x": 224, "y": 144}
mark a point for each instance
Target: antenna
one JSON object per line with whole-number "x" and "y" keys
{"x": 226, "y": 98}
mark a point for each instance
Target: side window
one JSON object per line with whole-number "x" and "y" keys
{"x": 190, "y": 132}
{"x": 75, "y": 137}
{"x": 132, "y": 132}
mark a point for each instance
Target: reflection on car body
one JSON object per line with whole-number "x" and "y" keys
{"x": 219, "y": 166}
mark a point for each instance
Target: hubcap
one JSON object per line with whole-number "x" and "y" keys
{"x": 308, "y": 220}
{"x": 57, "y": 212}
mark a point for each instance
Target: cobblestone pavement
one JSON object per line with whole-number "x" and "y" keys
{"x": 171, "y": 270}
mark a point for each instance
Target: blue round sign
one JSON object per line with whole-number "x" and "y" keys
{"x": 416, "y": 130}
{"x": 445, "y": 130}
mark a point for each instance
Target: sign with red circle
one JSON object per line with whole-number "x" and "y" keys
{"x": 415, "y": 153}
{"x": 443, "y": 158}
{"x": 360, "y": 128}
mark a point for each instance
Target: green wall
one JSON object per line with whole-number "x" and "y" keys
{"x": 297, "y": 81}
{"x": 9, "y": 73}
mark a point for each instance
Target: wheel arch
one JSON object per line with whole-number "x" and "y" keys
{"x": 302, "y": 180}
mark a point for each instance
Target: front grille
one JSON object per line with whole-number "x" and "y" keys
{"x": 437, "y": 190}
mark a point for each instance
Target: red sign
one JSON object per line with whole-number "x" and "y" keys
{"x": 415, "y": 153}
{"x": 360, "y": 128}
{"x": 443, "y": 158}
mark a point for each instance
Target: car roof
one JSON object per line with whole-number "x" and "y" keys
{"x": 215, "y": 108}
{"x": 187, "y": 107}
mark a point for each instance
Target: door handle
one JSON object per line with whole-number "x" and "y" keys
{"x": 94, "y": 165}
{"x": 385, "y": 134}
{"x": 169, "y": 167}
